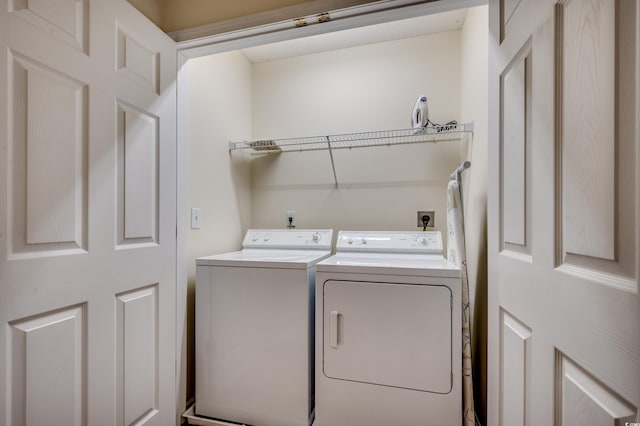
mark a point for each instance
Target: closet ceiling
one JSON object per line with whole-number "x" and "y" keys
{"x": 396, "y": 30}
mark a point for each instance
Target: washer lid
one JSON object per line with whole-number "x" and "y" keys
{"x": 264, "y": 258}
{"x": 423, "y": 265}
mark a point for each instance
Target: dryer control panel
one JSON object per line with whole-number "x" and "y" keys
{"x": 288, "y": 239}
{"x": 429, "y": 242}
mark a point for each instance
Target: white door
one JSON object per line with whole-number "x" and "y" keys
{"x": 564, "y": 310}
{"x": 87, "y": 215}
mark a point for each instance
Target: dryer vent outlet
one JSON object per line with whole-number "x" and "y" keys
{"x": 422, "y": 214}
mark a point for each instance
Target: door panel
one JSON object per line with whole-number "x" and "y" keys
{"x": 586, "y": 41}
{"x": 585, "y": 401}
{"x": 47, "y": 105}
{"x": 136, "y": 61}
{"x": 47, "y": 359}
{"x": 515, "y": 374}
{"x": 515, "y": 158}
{"x": 66, "y": 20}
{"x": 87, "y": 215}
{"x": 597, "y": 211}
{"x": 564, "y": 306}
{"x": 138, "y": 159}
{"x": 137, "y": 349}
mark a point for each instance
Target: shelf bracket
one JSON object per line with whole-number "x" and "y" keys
{"x": 333, "y": 166}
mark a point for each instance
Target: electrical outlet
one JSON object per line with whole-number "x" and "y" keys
{"x": 432, "y": 218}
{"x": 291, "y": 218}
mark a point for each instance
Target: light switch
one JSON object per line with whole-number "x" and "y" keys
{"x": 196, "y": 219}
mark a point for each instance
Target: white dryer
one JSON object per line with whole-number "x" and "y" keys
{"x": 388, "y": 332}
{"x": 254, "y": 328}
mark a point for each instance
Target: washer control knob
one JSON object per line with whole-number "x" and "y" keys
{"x": 423, "y": 241}
{"x": 350, "y": 241}
{"x": 315, "y": 237}
{"x": 266, "y": 238}
{"x": 364, "y": 241}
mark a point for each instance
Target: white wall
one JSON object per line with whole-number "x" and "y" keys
{"x": 474, "y": 107}
{"x": 219, "y": 110}
{"x": 364, "y": 88}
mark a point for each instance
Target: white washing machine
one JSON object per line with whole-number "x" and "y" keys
{"x": 254, "y": 328}
{"x": 388, "y": 332}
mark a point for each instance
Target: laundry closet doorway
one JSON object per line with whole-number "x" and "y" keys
{"x": 378, "y": 187}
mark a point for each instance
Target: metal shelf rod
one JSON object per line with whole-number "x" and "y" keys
{"x": 333, "y": 165}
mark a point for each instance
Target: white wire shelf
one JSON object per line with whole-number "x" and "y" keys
{"x": 438, "y": 133}
{"x": 355, "y": 140}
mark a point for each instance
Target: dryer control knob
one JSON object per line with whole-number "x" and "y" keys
{"x": 364, "y": 241}
{"x": 349, "y": 241}
{"x": 315, "y": 237}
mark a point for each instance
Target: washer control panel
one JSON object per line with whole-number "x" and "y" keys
{"x": 288, "y": 238}
{"x": 429, "y": 242}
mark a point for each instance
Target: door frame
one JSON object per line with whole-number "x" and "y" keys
{"x": 240, "y": 38}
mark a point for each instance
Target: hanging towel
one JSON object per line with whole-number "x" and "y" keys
{"x": 456, "y": 253}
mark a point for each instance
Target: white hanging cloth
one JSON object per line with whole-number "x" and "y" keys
{"x": 456, "y": 253}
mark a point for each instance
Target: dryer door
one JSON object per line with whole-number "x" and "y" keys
{"x": 388, "y": 334}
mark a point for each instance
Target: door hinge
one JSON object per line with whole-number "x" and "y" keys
{"x": 323, "y": 17}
